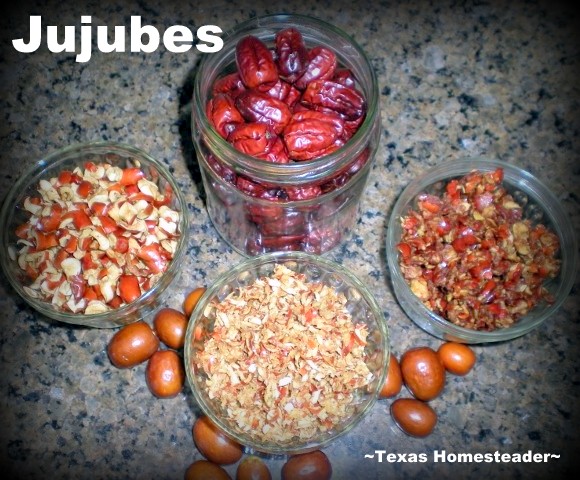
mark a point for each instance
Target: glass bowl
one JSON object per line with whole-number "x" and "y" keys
{"x": 362, "y": 307}
{"x": 15, "y": 213}
{"x": 540, "y": 206}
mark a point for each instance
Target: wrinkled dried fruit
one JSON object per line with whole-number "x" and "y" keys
{"x": 260, "y": 107}
{"x": 292, "y": 53}
{"x": 297, "y": 106}
{"x": 309, "y": 138}
{"x": 230, "y": 84}
{"x": 345, "y": 101}
{"x": 255, "y": 62}
{"x": 223, "y": 114}
{"x": 252, "y": 138}
{"x": 321, "y": 65}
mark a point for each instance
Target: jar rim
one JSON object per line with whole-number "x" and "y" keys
{"x": 288, "y": 173}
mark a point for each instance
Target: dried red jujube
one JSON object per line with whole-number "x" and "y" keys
{"x": 255, "y": 62}
{"x": 321, "y": 66}
{"x": 256, "y": 106}
{"x": 292, "y": 53}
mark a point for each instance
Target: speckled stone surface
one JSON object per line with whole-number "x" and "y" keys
{"x": 456, "y": 79}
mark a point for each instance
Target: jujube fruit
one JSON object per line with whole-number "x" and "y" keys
{"x": 170, "y": 325}
{"x": 423, "y": 373}
{"x": 457, "y": 358}
{"x": 214, "y": 444}
{"x": 165, "y": 374}
{"x": 414, "y": 417}
{"x": 205, "y": 470}
{"x": 253, "y": 468}
{"x": 191, "y": 300}
{"x": 307, "y": 466}
{"x": 393, "y": 380}
{"x": 132, "y": 345}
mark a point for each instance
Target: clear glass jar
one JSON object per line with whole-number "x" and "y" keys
{"x": 251, "y": 224}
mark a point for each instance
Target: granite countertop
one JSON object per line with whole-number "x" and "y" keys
{"x": 457, "y": 79}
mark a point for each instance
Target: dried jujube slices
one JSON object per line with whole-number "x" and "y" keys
{"x": 97, "y": 237}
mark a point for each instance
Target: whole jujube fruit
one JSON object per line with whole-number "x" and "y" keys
{"x": 414, "y": 417}
{"x": 292, "y": 53}
{"x": 165, "y": 374}
{"x": 307, "y": 466}
{"x": 253, "y": 468}
{"x": 214, "y": 444}
{"x": 457, "y": 358}
{"x": 423, "y": 372}
{"x": 393, "y": 380}
{"x": 132, "y": 345}
{"x": 170, "y": 326}
{"x": 205, "y": 470}
{"x": 255, "y": 63}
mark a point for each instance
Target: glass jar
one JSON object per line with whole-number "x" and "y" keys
{"x": 261, "y": 218}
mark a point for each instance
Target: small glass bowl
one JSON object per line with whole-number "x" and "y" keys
{"x": 362, "y": 306}
{"x": 540, "y": 206}
{"x": 13, "y": 214}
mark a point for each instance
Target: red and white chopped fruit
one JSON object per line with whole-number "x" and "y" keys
{"x": 97, "y": 238}
{"x": 471, "y": 256}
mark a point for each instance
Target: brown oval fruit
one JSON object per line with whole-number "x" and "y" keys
{"x": 307, "y": 466}
{"x": 423, "y": 373}
{"x": 393, "y": 381}
{"x": 165, "y": 374}
{"x": 414, "y": 417}
{"x": 191, "y": 300}
{"x": 204, "y": 470}
{"x": 214, "y": 444}
{"x": 170, "y": 326}
{"x": 253, "y": 468}
{"x": 457, "y": 358}
{"x": 132, "y": 345}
